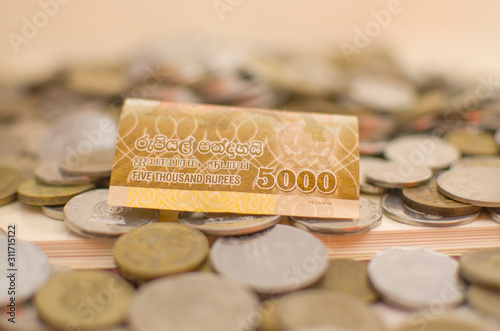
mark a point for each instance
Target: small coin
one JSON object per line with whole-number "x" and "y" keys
{"x": 394, "y": 208}
{"x": 473, "y": 143}
{"x": 54, "y": 212}
{"x": 350, "y": 277}
{"x": 414, "y": 277}
{"x": 478, "y": 161}
{"x": 10, "y": 180}
{"x": 426, "y": 150}
{"x": 33, "y": 193}
{"x": 51, "y": 174}
{"x": 159, "y": 249}
{"x": 494, "y": 214}
{"x": 219, "y": 224}
{"x": 478, "y": 186}
{"x": 427, "y": 199}
{"x": 397, "y": 175}
{"x": 85, "y": 300}
{"x": 32, "y": 269}
{"x": 280, "y": 259}
{"x": 89, "y": 214}
{"x": 453, "y": 320}
{"x": 484, "y": 299}
{"x": 96, "y": 164}
{"x": 321, "y": 308}
{"x": 482, "y": 266}
{"x": 370, "y": 217}
{"x": 194, "y": 301}
{"x": 366, "y": 162}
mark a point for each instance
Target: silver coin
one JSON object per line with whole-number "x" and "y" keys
{"x": 370, "y": 217}
{"x": 478, "y": 186}
{"x": 26, "y": 319}
{"x": 415, "y": 277}
{"x": 88, "y": 213}
{"x": 219, "y": 224}
{"x": 51, "y": 174}
{"x": 477, "y": 161}
{"x": 393, "y": 207}
{"x": 397, "y": 175}
{"x": 494, "y": 214}
{"x": 54, "y": 212}
{"x": 367, "y": 162}
{"x": 280, "y": 259}
{"x": 97, "y": 163}
{"x": 32, "y": 269}
{"x": 194, "y": 301}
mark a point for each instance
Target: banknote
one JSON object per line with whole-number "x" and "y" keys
{"x": 209, "y": 158}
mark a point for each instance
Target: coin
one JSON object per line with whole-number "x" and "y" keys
{"x": 481, "y": 266}
{"x": 350, "y": 277}
{"x": 427, "y": 199}
{"x": 494, "y": 214}
{"x": 414, "y": 277}
{"x": 426, "y": 150}
{"x": 451, "y": 320}
{"x": 396, "y": 175}
{"x": 98, "y": 163}
{"x": 370, "y": 217}
{"x": 484, "y": 299}
{"x": 366, "y": 162}
{"x": 315, "y": 308}
{"x": 84, "y": 299}
{"x": 54, "y": 212}
{"x": 26, "y": 319}
{"x": 33, "y": 193}
{"x": 10, "y": 181}
{"x": 30, "y": 265}
{"x": 280, "y": 259}
{"x": 220, "y": 224}
{"x": 194, "y": 301}
{"x": 160, "y": 249}
{"x": 478, "y": 186}
{"x": 89, "y": 214}
{"x": 473, "y": 143}
{"x": 51, "y": 174}
{"x": 478, "y": 161}
{"x": 497, "y": 137}
{"x": 394, "y": 208}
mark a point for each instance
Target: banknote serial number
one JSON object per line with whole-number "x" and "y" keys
{"x": 287, "y": 180}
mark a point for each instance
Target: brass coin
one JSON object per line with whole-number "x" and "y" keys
{"x": 84, "y": 300}
{"x": 427, "y": 199}
{"x": 315, "y": 307}
{"x": 350, "y": 277}
{"x": 473, "y": 143}
{"x": 156, "y": 250}
{"x": 33, "y": 193}
{"x": 10, "y": 179}
{"x": 449, "y": 321}
{"x": 484, "y": 299}
{"x": 482, "y": 266}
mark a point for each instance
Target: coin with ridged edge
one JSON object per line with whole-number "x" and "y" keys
{"x": 88, "y": 213}
{"x": 220, "y": 224}
{"x": 397, "y": 175}
{"x": 481, "y": 266}
{"x": 33, "y": 193}
{"x": 320, "y": 308}
{"x": 427, "y": 199}
{"x": 84, "y": 299}
{"x": 370, "y": 216}
{"x": 10, "y": 180}
{"x": 478, "y": 186}
{"x": 159, "y": 249}
{"x": 194, "y": 301}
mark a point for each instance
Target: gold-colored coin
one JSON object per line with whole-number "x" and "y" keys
{"x": 160, "y": 249}
{"x": 33, "y": 193}
{"x": 267, "y": 311}
{"x": 205, "y": 266}
{"x": 482, "y": 266}
{"x": 484, "y": 299}
{"x": 10, "y": 179}
{"x": 449, "y": 321}
{"x": 427, "y": 199}
{"x": 350, "y": 277}
{"x": 473, "y": 143}
{"x": 84, "y": 300}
